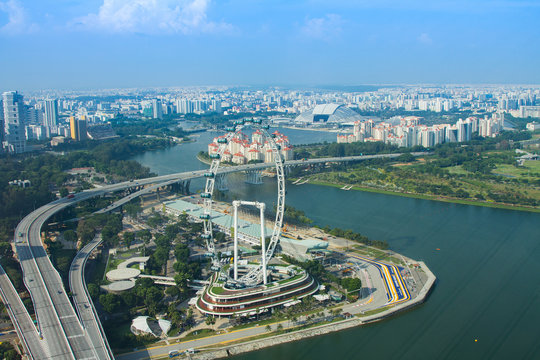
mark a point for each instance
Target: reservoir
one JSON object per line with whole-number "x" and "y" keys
{"x": 486, "y": 303}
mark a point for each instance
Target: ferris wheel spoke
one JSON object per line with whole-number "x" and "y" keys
{"x": 254, "y": 276}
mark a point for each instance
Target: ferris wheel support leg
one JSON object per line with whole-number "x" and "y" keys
{"x": 235, "y": 255}
{"x": 263, "y": 245}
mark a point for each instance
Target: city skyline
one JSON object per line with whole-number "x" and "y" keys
{"x": 120, "y": 44}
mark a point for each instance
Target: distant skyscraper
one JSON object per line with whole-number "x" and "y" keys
{"x": 81, "y": 129}
{"x": 184, "y": 106}
{"x": 157, "y": 109}
{"x": 51, "y": 113}
{"x": 77, "y": 128}
{"x": 464, "y": 130}
{"x": 1, "y": 124}
{"x": 34, "y": 116}
{"x": 73, "y": 127}
{"x": 216, "y": 106}
{"x": 14, "y": 120}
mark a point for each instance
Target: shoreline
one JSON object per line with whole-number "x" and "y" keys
{"x": 227, "y": 347}
{"x": 416, "y": 196}
{"x": 203, "y": 160}
{"x": 430, "y": 197}
{"x": 258, "y": 342}
{"x": 335, "y": 131}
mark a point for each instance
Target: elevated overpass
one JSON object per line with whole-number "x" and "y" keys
{"x": 61, "y": 333}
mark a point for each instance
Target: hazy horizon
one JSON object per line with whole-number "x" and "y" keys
{"x": 103, "y": 44}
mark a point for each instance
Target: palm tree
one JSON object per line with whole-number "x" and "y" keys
{"x": 289, "y": 314}
{"x": 268, "y": 328}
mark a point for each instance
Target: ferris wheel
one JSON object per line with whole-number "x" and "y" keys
{"x": 253, "y": 276}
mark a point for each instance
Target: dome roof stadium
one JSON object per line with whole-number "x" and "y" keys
{"x": 330, "y": 113}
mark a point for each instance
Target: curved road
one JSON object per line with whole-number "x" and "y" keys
{"x": 83, "y": 303}
{"x": 60, "y": 333}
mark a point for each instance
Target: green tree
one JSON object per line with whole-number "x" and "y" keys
{"x": 133, "y": 209}
{"x": 145, "y": 235}
{"x": 110, "y": 302}
{"x": 351, "y": 284}
{"x": 70, "y": 235}
{"x": 210, "y": 320}
{"x": 5, "y": 249}
{"x": 64, "y": 192}
{"x": 93, "y": 290}
{"x": 129, "y": 238}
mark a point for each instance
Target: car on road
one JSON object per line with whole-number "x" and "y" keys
{"x": 71, "y": 196}
{"x": 174, "y": 353}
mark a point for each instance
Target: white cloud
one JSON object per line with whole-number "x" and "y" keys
{"x": 151, "y": 17}
{"x": 17, "y": 19}
{"x": 425, "y": 39}
{"x": 325, "y": 28}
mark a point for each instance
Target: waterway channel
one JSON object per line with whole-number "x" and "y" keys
{"x": 486, "y": 304}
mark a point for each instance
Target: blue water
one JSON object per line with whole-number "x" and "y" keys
{"x": 488, "y": 270}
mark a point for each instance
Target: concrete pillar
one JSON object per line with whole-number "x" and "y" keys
{"x": 263, "y": 244}
{"x": 235, "y": 227}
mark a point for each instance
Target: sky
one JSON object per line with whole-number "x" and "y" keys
{"x": 92, "y": 44}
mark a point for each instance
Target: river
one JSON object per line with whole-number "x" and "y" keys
{"x": 486, "y": 304}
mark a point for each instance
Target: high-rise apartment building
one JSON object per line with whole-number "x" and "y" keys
{"x": 73, "y": 127}
{"x": 14, "y": 121}
{"x": 82, "y": 128}
{"x": 78, "y": 128}
{"x": 157, "y": 109}
{"x": 51, "y": 113}
{"x": 184, "y": 106}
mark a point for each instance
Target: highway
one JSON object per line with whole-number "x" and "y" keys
{"x": 26, "y": 330}
{"x": 57, "y": 322}
{"x": 83, "y": 303}
{"x": 61, "y": 334}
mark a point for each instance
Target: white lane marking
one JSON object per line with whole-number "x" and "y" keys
{"x": 67, "y": 316}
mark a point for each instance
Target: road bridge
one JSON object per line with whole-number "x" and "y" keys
{"x": 83, "y": 303}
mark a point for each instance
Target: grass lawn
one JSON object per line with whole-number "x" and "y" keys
{"x": 533, "y": 165}
{"x": 217, "y": 290}
{"x": 377, "y": 254}
{"x": 530, "y": 168}
{"x": 128, "y": 253}
{"x": 113, "y": 264}
{"x": 295, "y": 277}
{"x": 373, "y": 312}
{"x": 458, "y": 169}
